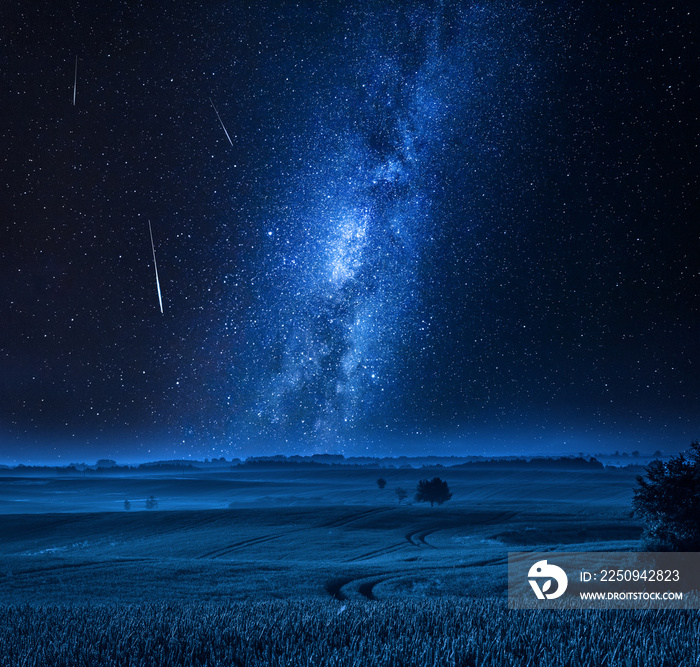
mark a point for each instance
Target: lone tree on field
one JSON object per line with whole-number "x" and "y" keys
{"x": 669, "y": 501}
{"x": 151, "y": 503}
{"x": 381, "y": 483}
{"x": 433, "y": 491}
{"x": 401, "y": 494}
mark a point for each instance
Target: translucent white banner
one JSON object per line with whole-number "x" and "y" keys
{"x": 603, "y": 580}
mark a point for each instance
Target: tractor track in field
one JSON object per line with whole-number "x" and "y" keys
{"x": 235, "y": 546}
{"x": 417, "y": 537}
{"x": 338, "y": 587}
{"x": 194, "y": 525}
{"x": 393, "y": 548}
{"x": 351, "y": 518}
{"x": 342, "y": 588}
{"x": 335, "y": 586}
{"x": 242, "y": 544}
{"x": 61, "y": 567}
{"x": 499, "y": 518}
{"x": 365, "y": 589}
{"x": 366, "y": 585}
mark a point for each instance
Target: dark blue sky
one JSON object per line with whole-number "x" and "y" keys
{"x": 438, "y": 227}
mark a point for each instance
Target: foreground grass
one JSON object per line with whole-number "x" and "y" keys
{"x": 423, "y": 633}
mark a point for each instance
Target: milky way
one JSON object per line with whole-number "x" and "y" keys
{"x": 343, "y": 322}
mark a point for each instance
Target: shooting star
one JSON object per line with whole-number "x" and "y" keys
{"x": 75, "y": 79}
{"x": 155, "y": 265}
{"x": 221, "y": 121}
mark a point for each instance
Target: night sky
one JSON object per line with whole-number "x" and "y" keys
{"x": 384, "y": 228}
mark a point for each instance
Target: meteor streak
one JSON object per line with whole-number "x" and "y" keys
{"x": 75, "y": 79}
{"x": 222, "y": 122}
{"x": 155, "y": 265}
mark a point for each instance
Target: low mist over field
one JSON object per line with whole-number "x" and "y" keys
{"x": 300, "y": 529}
{"x": 285, "y": 540}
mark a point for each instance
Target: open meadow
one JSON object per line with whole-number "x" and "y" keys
{"x": 311, "y": 566}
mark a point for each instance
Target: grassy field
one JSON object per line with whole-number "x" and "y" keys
{"x": 312, "y": 567}
{"x": 310, "y": 533}
{"x": 317, "y": 633}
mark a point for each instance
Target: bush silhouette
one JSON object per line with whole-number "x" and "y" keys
{"x": 669, "y": 502}
{"x": 151, "y": 503}
{"x": 401, "y": 494}
{"x": 433, "y": 491}
{"x": 381, "y": 483}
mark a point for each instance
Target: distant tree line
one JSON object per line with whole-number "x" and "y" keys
{"x": 562, "y": 462}
{"x": 110, "y": 467}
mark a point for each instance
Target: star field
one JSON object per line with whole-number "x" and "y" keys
{"x": 385, "y": 228}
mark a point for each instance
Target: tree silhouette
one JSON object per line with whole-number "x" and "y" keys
{"x": 669, "y": 501}
{"x": 433, "y": 491}
{"x": 151, "y": 503}
{"x": 381, "y": 483}
{"x": 401, "y": 494}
